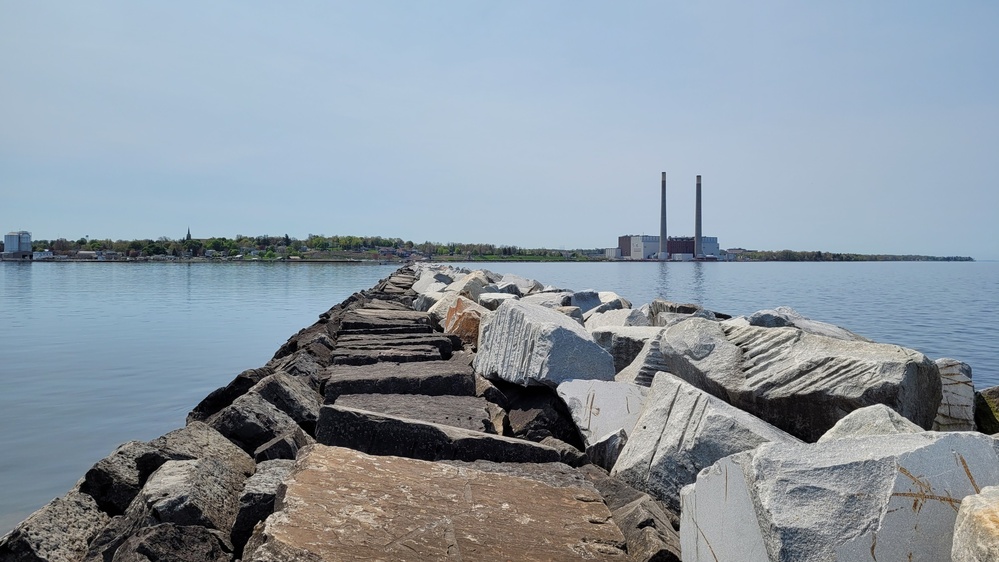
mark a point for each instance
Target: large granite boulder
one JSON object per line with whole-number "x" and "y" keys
{"x": 884, "y": 497}
{"x": 250, "y": 421}
{"x": 340, "y": 504}
{"x": 976, "y": 535}
{"x": 492, "y": 301}
{"x": 524, "y": 285}
{"x": 438, "y": 311}
{"x": 600, "y": 408}
{"x": 530, "y": 344}
{"x": 870, "y": 420}
{"x": 624, "y": 343}
{"x": 549, "y": 299}
{"x": 293, "y": 397}
{"x": 616, "y": 317}
{"x": 59, "y": 531}
{"x": 957, "y": 406}
{"x": 786, "y": 317}
{"x": 202, "y": 492}
{"x": 115, "y": 480}
{"x": 471, "y": 285}
{"x": 222, "y": 397}
{"x": 799, "y": 382}
{"x": 681, "y": 431}
{"x": 194, "y": 441}
{"x": 432, "y": 281}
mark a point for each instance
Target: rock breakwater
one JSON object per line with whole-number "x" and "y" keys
{"x": 447, "y": 414}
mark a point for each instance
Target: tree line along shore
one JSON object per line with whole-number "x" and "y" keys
{"x": 317, "y": 247}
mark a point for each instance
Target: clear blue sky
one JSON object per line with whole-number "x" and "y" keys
{"x": 866, "y": 127}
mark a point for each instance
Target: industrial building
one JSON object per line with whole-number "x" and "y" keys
{"x": 685, "y": 248}
{"x": 17, "y": 246}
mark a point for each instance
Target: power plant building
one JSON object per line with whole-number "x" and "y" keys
{"x": 17, "y": 245}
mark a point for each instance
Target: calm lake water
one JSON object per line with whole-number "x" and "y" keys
{"x": 93, "y": 355}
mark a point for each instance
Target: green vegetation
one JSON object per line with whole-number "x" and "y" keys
{"x": 790, "y": 255}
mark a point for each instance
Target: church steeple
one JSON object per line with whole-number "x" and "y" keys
{"x": 188, "y": 233}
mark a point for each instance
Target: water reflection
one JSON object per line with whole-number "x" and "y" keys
{"x": 698, "y": 284}
{"x": 662, "y": 281}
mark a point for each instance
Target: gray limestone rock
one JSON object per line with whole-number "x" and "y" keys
{"x": 602, "y": 407}
{"x": 194, "y": 441}
{"x": 530, "y": 344}
{"x": 176, "y": 543}
{"x": 870, "y": 420}
{"x": 786, "y": 317}
{"x": 115, "y": 480}
{"x": 58, "y": 532}
{"x": 251, "y": 421}
{"x": 976, "y": 537}
{"x": 201, "y": 492}
{"x": 799, "y": 382}
{"x": 681, "y": 431}
{"x": 293, "y": 397}
{"x": 617, "y": 317}
{"x": 957, "y": 406}
{"x": 381, "y": 434}
{"x": 222, "y": 397}
{"x": 883, "y": 497}
{"x": 624, "y": 343}
{"x": 283, "y": 446}
{"x": 491, "y": 301}
{"x": 256, "y": 501}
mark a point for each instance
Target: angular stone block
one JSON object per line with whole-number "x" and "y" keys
{"x": 293, "y": 397}
{"x": 492, "y": 301}
{"x": 176, "y": 543}
{"x": 976, "y": 535}
{"x": 614, "y": 317}
{"x": 427, "y": 377}
{"x": 251, "y": 421}
{"x": 194, "y": 441}
{"x": 222, "y": 397}
{"x": 893, "y": 497}
{"x": 462, "y": 319}
{"x": 466, "y": 412}
{"x": 115, "y": 480}
{"x": 340, "y": 504}
{"x": 381, "y": 434}
{"x": 530, "y": 344}
{"x": 201, "y": 492}
{"x": 957, "y": 406}
{"x": 59, "y": 531}
{"x": 606, "y": 450}
{"x": 256, "y": 501}
{"x": 624, "y": 343}
{"x": 799, "y": 382}
{"x": 681, "y": 431}
{"x": 602, "y": 407}
{"x": 871, "y": 420}
{"x": 283, "y": 447}
{"x": 786, "y": 317}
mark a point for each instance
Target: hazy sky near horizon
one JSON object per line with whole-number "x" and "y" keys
{"x": 850, "y": 126}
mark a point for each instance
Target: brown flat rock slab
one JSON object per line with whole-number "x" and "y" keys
{"x": 340, "y": 504}
{"x": 423, "y": 377}
{"x": 467, "y": 412}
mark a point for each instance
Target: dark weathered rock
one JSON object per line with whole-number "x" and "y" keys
{"x": 304, "y": 366}
{"x": 293, "y": 397}
{"x": 650, "y": 529}
{"x": 390, "y": 353}
{"x": 340, "y": 504}
{"x": 251, "y": 421}
{"x": 484, "y": 388}
{"x": 987, "y": 410}
{"x": 201, "y": 492}
{"x": 195, "y": 441}
{"x": 605, "y": 452}
{"x": 431, "y": 378}
{"x": 569, "y": 454}
{"x": 256, "y": 501}
{"x": 222, "y": 397}
{"x": 115, "y": 480}
{"x": 536, "y": 412}
{"x": 374, "y": 321}
{"x": 445, "y": 343}
{"x": 59, "y": 531}
{"x": 466, "y": 412}
{"x": 175, "y": 543}
{"x": 283, "y": 447}
{"x": 380, "y": 434}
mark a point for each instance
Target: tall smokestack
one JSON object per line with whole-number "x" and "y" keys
{"x": 698, "y": 252}
{"x": 662, "y": 224}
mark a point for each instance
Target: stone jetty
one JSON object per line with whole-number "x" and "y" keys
{"x": 447, "y": 414}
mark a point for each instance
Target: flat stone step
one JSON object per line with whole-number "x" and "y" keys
{"x": 445, "y": 343}
{"x": 382, "y": 434}
{"x": 397, "y": 354}
{"x": 340, "y": 504}
{"x": 465, "y": 412}
{"x": 454, "y": 378}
